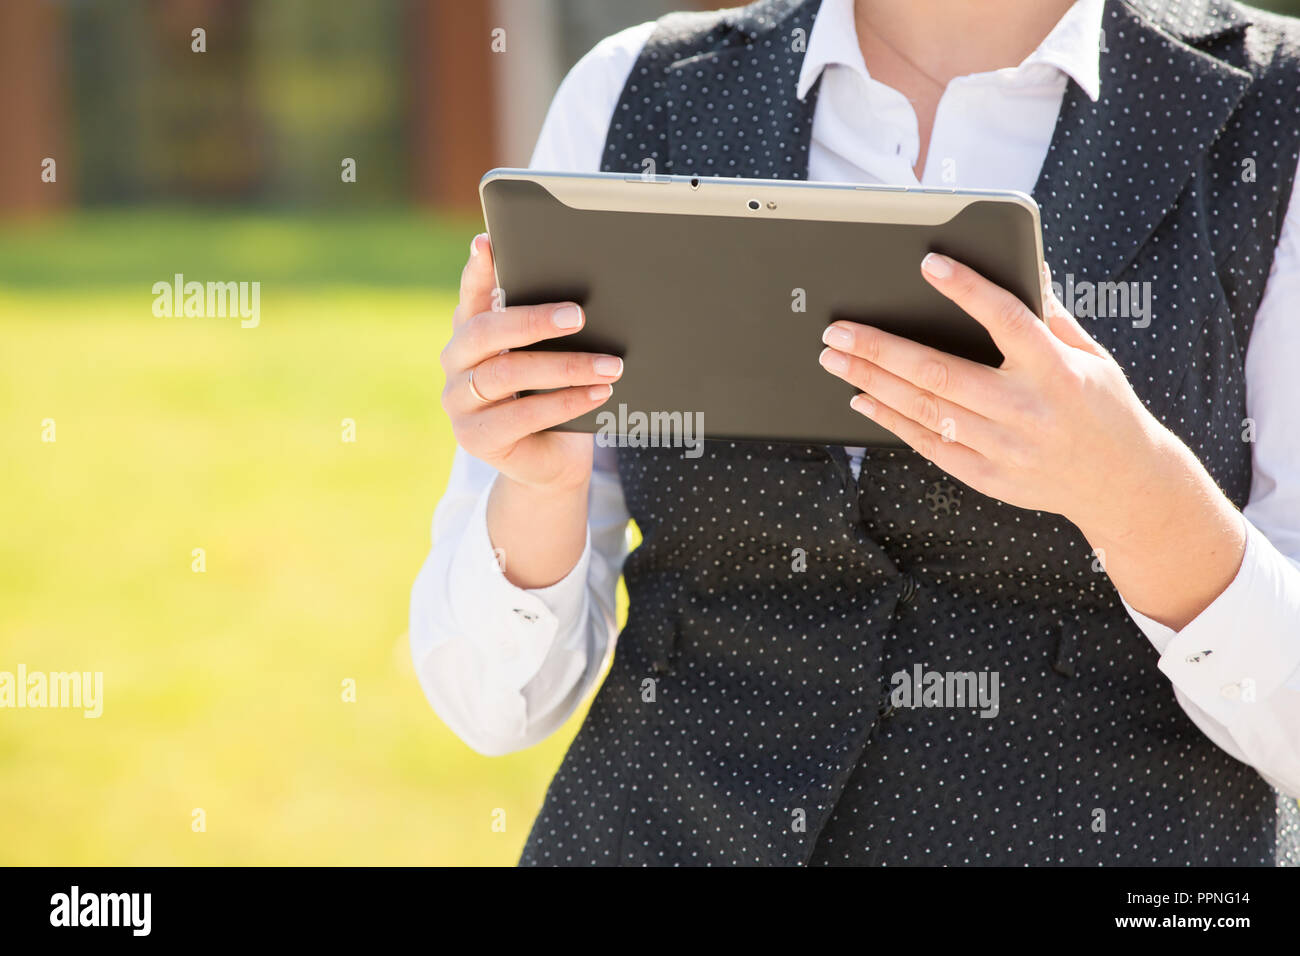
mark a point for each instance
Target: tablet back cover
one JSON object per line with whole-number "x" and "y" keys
{"x": 723, "y": 315}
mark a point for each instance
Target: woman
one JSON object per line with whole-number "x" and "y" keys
{"x": 1080, "y": 545}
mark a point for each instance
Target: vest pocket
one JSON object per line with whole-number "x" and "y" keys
{"x": 664, "y": 659}
{"x": 652, "y": 642}
{"x": 1067, "y": 649}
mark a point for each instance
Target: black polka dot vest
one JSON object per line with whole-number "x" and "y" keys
{"x": 747, "y": 717}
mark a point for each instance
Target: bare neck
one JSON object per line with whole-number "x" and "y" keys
{"x": 918, "y": 46}
{"x": 950, "y": 38}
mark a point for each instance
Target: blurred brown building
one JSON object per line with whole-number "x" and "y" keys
{"x": 419, "y": 92}
{"x": 542, "y": 38}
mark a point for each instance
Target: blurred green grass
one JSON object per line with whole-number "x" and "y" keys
{"x": 222, "y": 690}
{"x": 101, "y": 249}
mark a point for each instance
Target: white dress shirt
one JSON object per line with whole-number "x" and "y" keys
{"x": 505, "y": 667}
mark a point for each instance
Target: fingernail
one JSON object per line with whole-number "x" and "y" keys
{"x": 610, "y": 366}
{"x": 862, "y": 405}
{"x": 936, "y": 265}
{"x": 838, "y": 337}
{"x": 473, "y": 244}
{"x": 598, "y": 393}
{"x": 834, "y": 361}
{"x": 567, "y": 317}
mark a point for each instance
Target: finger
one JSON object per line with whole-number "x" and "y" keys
{"x": 963, "y": 463}
{"x": 477, "y": 281}
{"x": 503, "y": 375}
{"x": 951, "y": 422}
{"x": 966, "y": 383}
{"x": 1016, "y": 331}
{"x": 506, "y": 424}
{"x": 1064, "y": 325}
{"x": 487, "y": 333}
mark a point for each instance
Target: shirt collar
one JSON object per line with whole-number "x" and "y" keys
{"x": 1073, "y": 46}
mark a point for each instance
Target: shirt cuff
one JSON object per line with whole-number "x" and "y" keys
{"x": 514, "y": 628}
{"x": 1244, "y": 646}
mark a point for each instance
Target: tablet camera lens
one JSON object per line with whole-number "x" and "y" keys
{"x": 695, "y": 183}
{"x": 755, "y": 205}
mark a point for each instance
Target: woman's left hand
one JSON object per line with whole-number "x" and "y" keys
{"x": 1056, "y": 428}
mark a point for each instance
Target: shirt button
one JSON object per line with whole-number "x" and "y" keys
{"x": 528, "y": 616}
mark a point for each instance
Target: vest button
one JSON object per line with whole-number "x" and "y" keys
{"x": 944, "y": 497}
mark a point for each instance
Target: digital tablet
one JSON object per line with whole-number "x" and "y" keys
{"x": 716, "y": 291}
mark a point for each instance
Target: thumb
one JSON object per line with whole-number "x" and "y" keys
{"x": 477, "y": 281}
{"x": 1062, "y": 324}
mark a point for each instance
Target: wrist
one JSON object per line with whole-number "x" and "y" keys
{"x": 540, "y": 531}
{"x": 1170, "y": 540}
{"x": 1142, "y": 491}
{"x": 544, "y": 494}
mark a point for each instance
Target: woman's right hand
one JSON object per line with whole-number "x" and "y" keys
{"x": 509, "y": 432}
